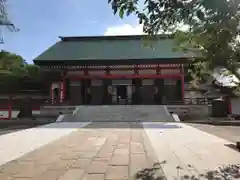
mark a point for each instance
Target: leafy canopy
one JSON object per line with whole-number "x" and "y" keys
{"x": 14, "y": 72}
{"x": 4, "y": 20}
{"x": 213, "y": 28}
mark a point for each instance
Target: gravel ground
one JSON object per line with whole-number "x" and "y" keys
{"x": 230, "y": 133}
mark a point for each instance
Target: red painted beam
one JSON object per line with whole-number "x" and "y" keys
{"x": 130, "y": 68}
{"x": 128, "y": 76}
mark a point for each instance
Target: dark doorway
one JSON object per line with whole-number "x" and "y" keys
{"x": 136, "y": 96}
{"x": 56, "y": 94}
{"x": 122, "y": 94}
{"x": 85, "y": 92}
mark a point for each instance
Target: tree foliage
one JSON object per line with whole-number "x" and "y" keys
{"x": 16, "y": 74}
{"x": 213, "y": 28}
{"x": 4, "y": 20}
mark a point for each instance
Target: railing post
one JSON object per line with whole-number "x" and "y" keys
{"x": 229, "y": 105}
{"x": 182, "y": 81}
{"x": 10, "y": 108}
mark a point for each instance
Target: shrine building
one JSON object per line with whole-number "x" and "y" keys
{"x": 115, "y": 70}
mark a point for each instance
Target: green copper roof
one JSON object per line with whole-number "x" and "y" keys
{"x": 111, "y": 48}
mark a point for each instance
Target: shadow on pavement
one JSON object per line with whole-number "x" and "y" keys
{"x": 109, "y": 125}
{"x": 232, "y": 146}
{"x": 154, "y": 173}
{"x": 220, "y": 173}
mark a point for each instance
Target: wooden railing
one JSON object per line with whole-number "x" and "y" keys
{"x": 193, "y": 101}
{"x": 55, "y": 102}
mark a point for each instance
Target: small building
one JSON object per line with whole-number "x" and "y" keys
{"x": 115, "y": 70}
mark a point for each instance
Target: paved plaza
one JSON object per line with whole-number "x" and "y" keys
{"x": 114, "y": 151}
{"x": 117, "y": 143}
{"x": 231, "y": 133}
{"x": 97, "y": 151}
{"x": 185, "y": 151}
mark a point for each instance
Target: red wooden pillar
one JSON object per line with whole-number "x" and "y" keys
{"x": 52, "y": 93}
{"x": 61, "y": 91}
{"x": 62, "y": 87}
{"x": 158, "y": 70}
{"x": 182, "y": 81}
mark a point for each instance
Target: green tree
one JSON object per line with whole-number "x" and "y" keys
{"x": 213, "y": 28}
{"x": 15, "y": 73}
{"x": 4, "y": 21}
{"x": 9, "y": 60}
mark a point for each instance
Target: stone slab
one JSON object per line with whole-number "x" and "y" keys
{"x": 72, "y": 174}
{"x": 17, "y": 144}
{"x": 184, "y": 150}
{"x": 117, "y": 172}
{"x": 97, "y": 167}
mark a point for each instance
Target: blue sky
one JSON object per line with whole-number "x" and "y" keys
{"x": 41, "y": 22}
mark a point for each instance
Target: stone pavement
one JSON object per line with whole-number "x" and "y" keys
{"x": 110, "y": 151}
{"x": 184, "y": 151}
{"x": 16, "y": 144}
{"x": 231, "y": 133}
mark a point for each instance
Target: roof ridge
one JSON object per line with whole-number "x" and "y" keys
{"x": 118, "y": 37}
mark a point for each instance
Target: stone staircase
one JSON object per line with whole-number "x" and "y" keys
{"x": 56, "y": 110}
{"x": 120, "y": 113}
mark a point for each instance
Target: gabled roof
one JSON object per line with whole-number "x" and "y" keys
{"x": 112, "y": 48}
{"x": 225, "y": 78}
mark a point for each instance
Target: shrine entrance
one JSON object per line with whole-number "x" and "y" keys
{"x": 122, "y": 96}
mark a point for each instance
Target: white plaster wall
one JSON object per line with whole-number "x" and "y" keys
{"x": 96, "y": 82}
{"x": 122, "y": 82}
{"x": 21, "y": 96}
{"x": 147, "y": 71}
{"x": 193, "y": 94}
{"x": 55, "y": 85}
{"x": 122, "y": 72}
{"x": 235, "y": 106}
{"x": 75, "y": 73}
{"x": 97, "y": 72}
{"x": 170, "y": 71}
{"x": 75, "y": 83}
{"x": 149, "y": 82}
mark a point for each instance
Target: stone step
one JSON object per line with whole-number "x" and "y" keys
{"x": 56, "y": 110}
{"x": 122, "y": 113}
